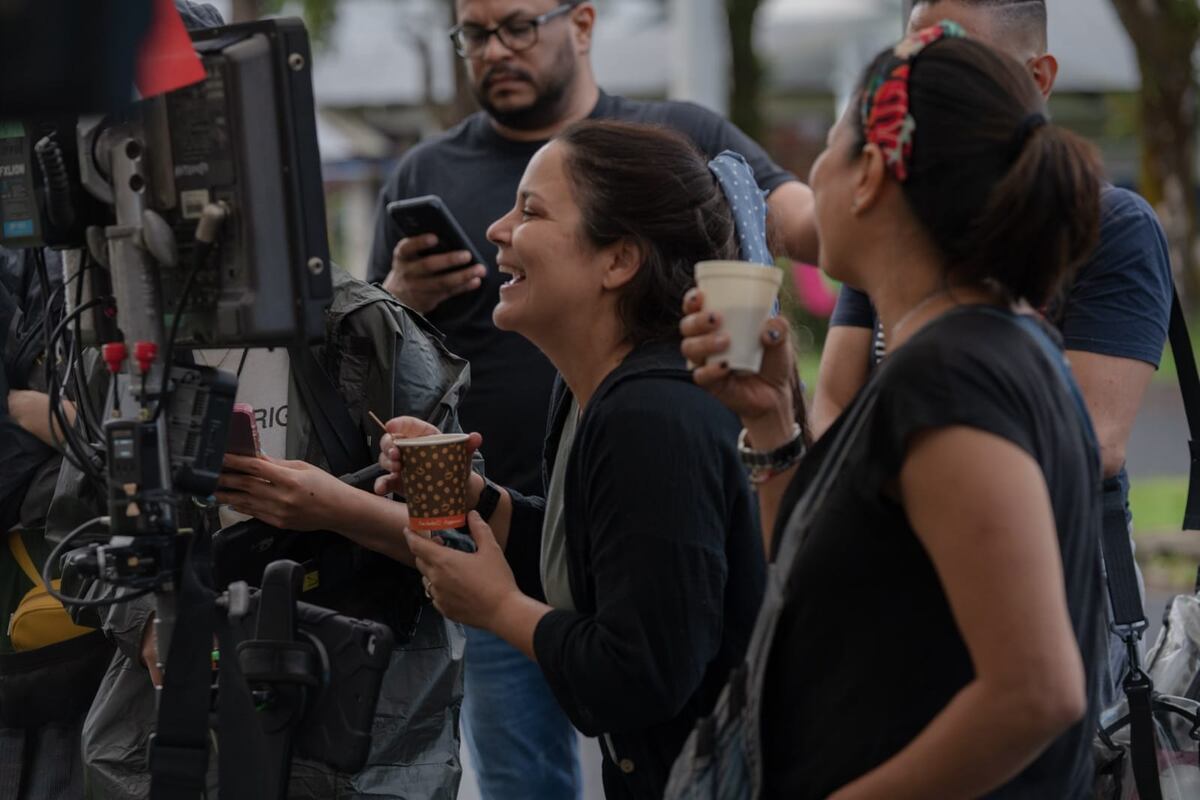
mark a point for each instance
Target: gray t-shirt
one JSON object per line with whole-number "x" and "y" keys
{"x": 555, "y": 580}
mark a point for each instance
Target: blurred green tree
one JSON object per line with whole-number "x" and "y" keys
{"x": 1165, "y": 34}
{"x": 745, "y": 88}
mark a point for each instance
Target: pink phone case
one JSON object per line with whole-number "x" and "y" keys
{"x": 243, "y": 431}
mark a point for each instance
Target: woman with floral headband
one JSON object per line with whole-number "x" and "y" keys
{"x": 938, "y": 619}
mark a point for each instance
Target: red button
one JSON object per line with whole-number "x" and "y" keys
{"x": 114, "y": 355}
{"x": 145, "y": 353}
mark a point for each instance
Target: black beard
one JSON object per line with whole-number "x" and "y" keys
{"x": 549, "y": 104}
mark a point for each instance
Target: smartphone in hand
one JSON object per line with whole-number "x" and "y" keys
{"x": 243, "y": 431}
{"x": 418, "y": 216}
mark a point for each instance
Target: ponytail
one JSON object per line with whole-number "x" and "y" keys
{"x": 1041, "y": 221}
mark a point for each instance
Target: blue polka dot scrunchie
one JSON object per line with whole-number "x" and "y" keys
{"x": 748, "y": 203}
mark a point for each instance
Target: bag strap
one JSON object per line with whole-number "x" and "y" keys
{"x": 341, "y": 440}
{"x": 780, "y": 574}
{"x": 1129, "y": 619}
{"x": 830, "y": 469}
{"x": 1189, "y": 387}
{"x": 17, "y": 545}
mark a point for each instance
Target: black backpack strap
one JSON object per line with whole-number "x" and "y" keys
{"x": 341, "y": 439}
{"x": 1143, "y": 740}
{"x": 1129, "y": 615}
{"x": 1189, "y": 387}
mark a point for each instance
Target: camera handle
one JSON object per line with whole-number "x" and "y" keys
{"x": 282, "y": 672}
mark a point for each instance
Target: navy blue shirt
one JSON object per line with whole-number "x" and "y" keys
{"x": 1120, "y": 301}
{"x": 476, "y": 171}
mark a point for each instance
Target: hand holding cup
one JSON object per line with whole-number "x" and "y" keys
{"x": 750, "y": 395}
{"x": 744, "y": 294}
{"x": 429, "y": 468}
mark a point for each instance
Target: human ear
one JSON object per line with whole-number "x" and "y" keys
{"x": 1044, "y": 69}
{"x": 583, "y": 22}
{"x": 870, "y": 178}
{"x": 623, "y": 262}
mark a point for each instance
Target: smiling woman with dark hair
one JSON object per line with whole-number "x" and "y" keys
{"x": 637, "y": 578}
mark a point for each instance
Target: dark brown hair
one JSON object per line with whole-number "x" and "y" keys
{"x": 1011, "y": 204}
{"x": 650, "y": 185}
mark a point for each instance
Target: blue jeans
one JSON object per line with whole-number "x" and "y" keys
{"x": 522, "y": 743}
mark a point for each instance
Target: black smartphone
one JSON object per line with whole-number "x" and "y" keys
{"x": 428, "y": 214}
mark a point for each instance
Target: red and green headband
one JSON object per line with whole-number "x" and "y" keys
{"x": 886, "y": 118}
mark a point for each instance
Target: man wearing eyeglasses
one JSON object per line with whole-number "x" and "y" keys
{"x": 530, "y": 71}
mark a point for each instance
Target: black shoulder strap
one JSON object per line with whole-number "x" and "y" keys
{"x": 341, "y": 440}
{"x": 1189, "y": 387}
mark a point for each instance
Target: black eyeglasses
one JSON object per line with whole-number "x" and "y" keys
{"x": 515, "y": 34}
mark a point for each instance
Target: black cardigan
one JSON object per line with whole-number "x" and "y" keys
{"x": 665, "y": 562}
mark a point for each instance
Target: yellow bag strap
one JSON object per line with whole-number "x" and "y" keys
{"x": 17, "y": 545}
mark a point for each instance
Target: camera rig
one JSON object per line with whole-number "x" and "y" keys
{"x": 195, "y": 219}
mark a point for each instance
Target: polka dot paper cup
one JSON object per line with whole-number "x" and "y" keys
{"x": 436, "y": 469}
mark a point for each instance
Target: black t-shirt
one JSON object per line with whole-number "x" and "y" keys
{"x": 476, "y": 172}
{"x": 867, "y": 653}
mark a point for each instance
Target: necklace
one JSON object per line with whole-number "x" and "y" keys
{"x": 912, "y": 312}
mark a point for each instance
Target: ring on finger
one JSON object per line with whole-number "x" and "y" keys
{"x": 427, "y": 585}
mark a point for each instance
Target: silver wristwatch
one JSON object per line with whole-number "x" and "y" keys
{"x": 766, "y": 464}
